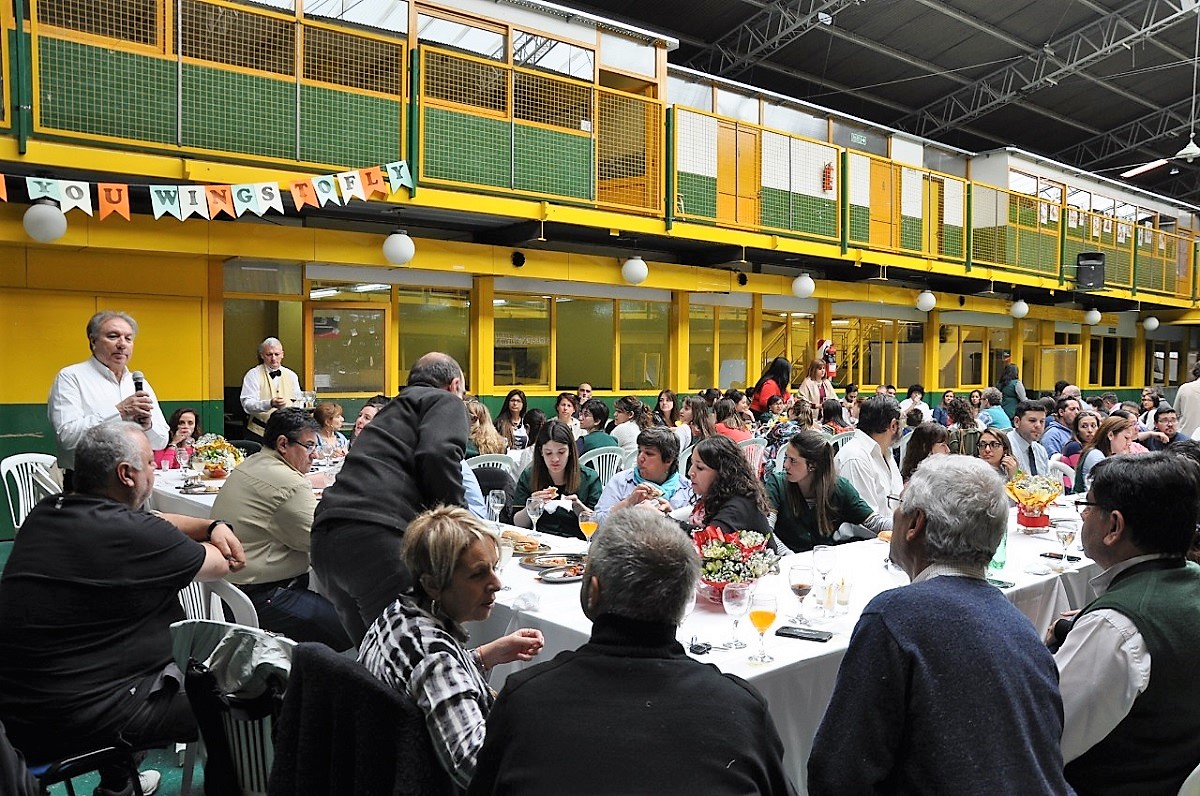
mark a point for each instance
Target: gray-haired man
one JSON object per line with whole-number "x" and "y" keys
{"x": 267, "y": 387}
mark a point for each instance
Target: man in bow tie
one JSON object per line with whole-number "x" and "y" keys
{"x": 267, "y": 387}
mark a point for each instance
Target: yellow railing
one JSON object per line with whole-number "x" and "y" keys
{"x": 1165, "y": 262}
{"x": 1015, "y": 231}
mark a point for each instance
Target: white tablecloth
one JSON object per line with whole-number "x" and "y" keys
{"x": 167, "y": 498}
{"x": 799, "y": 683}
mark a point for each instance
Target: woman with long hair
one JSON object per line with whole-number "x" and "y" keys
{"x": 632, "y": 418}
{"x": 927, "y": 439}
{"x": 1085, "y": 426}
{"x": 555, "y": 474}
{"x": 1113, "y": 438}
{"x": 976, "y": 401}
{"x": 775, "y": 380}
{"x": 811, "y": 500}
{"x": 1012, "y": 391}
{"x": 667, "y": 410}
{"x": 816, "y": 386}
{"x": 482, "y": 436}
{"x": 728, "y": 491}
{"x": 183, "y": 425}
{"x": 510, "y": 422}
{"x": 995, "y": 449}
{"x": 729, "y": 421}
{"x": 831, "y": 417}
{"x": 963, "y": 429}
{"x": 941, "y": 412}
{"x": 330, "y": 439}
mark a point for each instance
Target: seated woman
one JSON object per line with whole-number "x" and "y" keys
{"x": 964, "y": 428}
{"x": 534, "y": 420}
{"x": 555, "y": 474}
{"x": 831, "y": 417}
{"x": 416, "y": 645}
{"x": 811, "y": 500}
{"x": 1085, "y": 426}
{"x": 993, "y": 415}
{"x": 728, "y": 491}
{"x": 695, "y": 424}
{"x": 666, "y": 412}
{"x": 632, "y": 418}
{"x": 511, "y": 420}
{"x": 800, "y": 418}
{"x": 593, "y": 416}
{"x": 367, "y": 414}
{"x": 729, "y": 421}
{"x": 816, "y": 387}
{"x": 1112, "y": 439}
{"x": 995, "y": 449}
{"x": 566, "y": 409}
{"x": 653, "y": 482}
{"x": 183, "y": 429}
{"x": 482, "y": 436}
{"x": 774, "y": 381}
{"x": 941, "y": 412}
{"x": 775, "y": 409}
{"x": 330, "y": 439}
{"x": 928, "y": 439}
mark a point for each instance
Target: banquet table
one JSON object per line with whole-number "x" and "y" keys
{"x": 168, "y": 498}
{"x": 799, "y": 682}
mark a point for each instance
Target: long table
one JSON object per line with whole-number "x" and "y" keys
{"x": 800, "y": 681}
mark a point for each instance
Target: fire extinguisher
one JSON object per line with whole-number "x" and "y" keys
{"x": 827, "y": 177}
{"x": 827, "y": 351}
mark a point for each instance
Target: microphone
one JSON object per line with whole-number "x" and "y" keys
{"x": 138, "y": 380}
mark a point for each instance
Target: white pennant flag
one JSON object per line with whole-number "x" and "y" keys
{"x": 193, "y": 201}
{"x": 76, "y": 195}
{"x": 326, "y": 188}
{"x": 269, "y": 197}
{"x": 351, "y": 184}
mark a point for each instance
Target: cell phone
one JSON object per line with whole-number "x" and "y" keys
{"x": 1059, "y": 555}
{"x": 1001, "y": 584}
{"x": 804, "y": 633}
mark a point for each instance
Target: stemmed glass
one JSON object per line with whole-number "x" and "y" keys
{"x": 588, "y": 526}
{"x": 736, "y": 599}
{"x": 183, "y": 457}
{"x": 824, "y": 559}
{"x": 762, "y": 616}
{"x": 1065, "y": 531}
{"x": 800, "y": 580}
{"x": 533, "y": 507}
{"x": 495, "y": 501}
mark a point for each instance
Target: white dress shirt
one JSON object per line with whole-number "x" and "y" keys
{"x": 1102, "y": 668}
{"x": 871, "y": 471}
{"x": 86, "y": 394}
{"x": 909, "y": 403}
{"x": 1021, "y": 450}
{"x": 252, "y": 400}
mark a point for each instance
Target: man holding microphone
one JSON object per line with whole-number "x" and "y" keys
{"x": 102, "y": 388}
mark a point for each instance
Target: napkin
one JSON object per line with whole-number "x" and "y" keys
{"x": 527, "y": 601}
{"x": 561, "y": 504}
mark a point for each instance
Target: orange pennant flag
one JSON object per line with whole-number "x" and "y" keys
{"x": 3, "y": 190}
{"x": 303, "y": 193}
{"x": 114, "y": 198}
{"x": 372, "y": 181}
{"x": 220, "y": 200}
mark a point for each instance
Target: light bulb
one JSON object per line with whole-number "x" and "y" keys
{"x": 399, "y": 249}
{"x": 803, "y": 286}
{"x": 1019, "y": 309}
{"x": 44, "y": 221}
{"x": 926, "y": 301}
{"x": 634, "y": 270}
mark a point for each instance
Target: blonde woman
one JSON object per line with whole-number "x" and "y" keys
{"x": 482, "y": 436}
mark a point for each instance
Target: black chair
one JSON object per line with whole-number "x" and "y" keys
{"x": 247, "y": 447}
{"x": 68, "y": 768}
{"x": 490, "y": 478}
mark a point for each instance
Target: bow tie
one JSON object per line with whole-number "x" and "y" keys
{"x": 274, "y": 373}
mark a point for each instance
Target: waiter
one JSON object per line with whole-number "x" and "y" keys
{"x": 267, "y": 387}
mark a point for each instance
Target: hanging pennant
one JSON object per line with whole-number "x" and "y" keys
{"x": 193, "y": 201}
{"x": 220, "y": 200}
{"x": 398, "y": 175}
{"x": 114, "y": 198}
{"x": 326, "y": 188}
{"x": 303, "y": 193}
{"x": 43, "y": 188}
{"x": 245, "y": 197}
{"x": 164, "y": 200}
{"x": 372, "y": 182}
{"x": 3, "y": 190}
{"x": 350, "y": 184}
{"x": 269, "y": 197}
{"x": 76, "y": 195}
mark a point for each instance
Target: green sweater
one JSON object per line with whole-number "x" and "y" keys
{"x": 561, "y": 523}
{"x": 798, "y": 529}
{"x": 1157, "y": 745}
{"x": 596, "y": 439}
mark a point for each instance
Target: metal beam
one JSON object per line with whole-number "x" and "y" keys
{"x": 1130, "y": 137}
{"x": 766, "y": 32}
{"x": 1136, "y": 22}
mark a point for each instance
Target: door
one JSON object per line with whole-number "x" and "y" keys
{"x": 882, "y": 225}
{"x": 737, "y": 174}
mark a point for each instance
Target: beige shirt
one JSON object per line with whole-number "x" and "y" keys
{"x": 271, "y": 507}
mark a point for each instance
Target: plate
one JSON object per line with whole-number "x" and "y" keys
{"x": 572, "y": 573}
{"x": 544, "y": 561}
{"x": 530, "y": 548}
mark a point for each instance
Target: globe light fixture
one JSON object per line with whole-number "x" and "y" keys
{"x": 803, "y": 286}
{"x": 398, "y": 248}
{"x": 1150, "y": 323}
{"x": 634, "y": 270}
{"x": 1091, "y": 317}
{"x": 44, "y": 221}
{"x": 926, "y": 301}
{"x": 1019, "y": 309}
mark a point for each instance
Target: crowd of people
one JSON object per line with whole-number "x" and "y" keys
{"x": 396, "y": 556}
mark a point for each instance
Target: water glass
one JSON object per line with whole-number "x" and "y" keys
{"x": 496, "y": 500}
{"x": 735, "y": 597}
{"x": 533, "y": 507}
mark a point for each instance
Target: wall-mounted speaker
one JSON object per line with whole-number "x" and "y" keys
{"x": 1089, "y": 271}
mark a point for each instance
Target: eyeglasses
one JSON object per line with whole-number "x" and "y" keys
{"x": 1083, "y": 506}
{"x": 990, "y": 444}
{"x": 893, "y": 501}
{"x": 309, "y": 446}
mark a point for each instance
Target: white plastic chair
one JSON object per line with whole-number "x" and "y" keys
{"x": 494, "y": 460}
{"x": 1191, "y": 785}
{"x": 606, "y": 461}
{"x": 754, "y": 449}
{"x": 30, "y": 481}
{"x": 902, "y": 447}
{"x": 1062, "y": 470}
{"x": 838, "y": 440}
{"x": 630, "y": 460}
{"x": 685, "y": 460}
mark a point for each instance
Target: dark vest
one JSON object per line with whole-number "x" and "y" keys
{"x": 1157, "y": 745}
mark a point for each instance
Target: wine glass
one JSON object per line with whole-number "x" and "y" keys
{"x": 1065, "y": 531}
{"x": 800, "y": 580}
{"x": 762, "y": 616}
{"x": 736, "y": 599}
{"x": 183, "y": 457}
{"x": 533, "y": 507}
{"x": 588, "y": 526}
{"x": 824, "y": 559}
{"x": 496, "y": 501}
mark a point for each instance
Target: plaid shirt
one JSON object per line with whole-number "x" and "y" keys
{"x": 412, "y": 652}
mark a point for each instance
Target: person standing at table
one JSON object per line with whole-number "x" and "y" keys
{"x": 1128, "y": 661}
{"x": 270, "y": 501}
{"x": 267, "y": 387}
{"x": 1029, "y": 422}
{"x": 948, "y": 658}
{"x": 866, "y": 459}
{"x": 632, "y": 690}
{"x": 100, "y": 389}
{"x": 407, "y": 460}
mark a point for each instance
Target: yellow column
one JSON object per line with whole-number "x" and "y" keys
{"x": 930, "y": 355}
{"x": 483, "y": 328}
{"x": 677, "y": 374}
{"x": 1085, "y": 356}
{"x": 754, "y": 355}
{"x": 1137, "y": 359}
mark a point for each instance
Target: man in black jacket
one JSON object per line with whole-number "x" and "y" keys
{"x": 406, "y": 461}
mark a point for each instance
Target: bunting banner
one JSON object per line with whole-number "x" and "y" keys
{"x": 164, "y": 200}
{"x": 114, "y": 198}
{"x": 76, "y": 195}
{"x": 3, "y": 189}
{"x": 192, "y": 201}
{"x": 41, "y": 188}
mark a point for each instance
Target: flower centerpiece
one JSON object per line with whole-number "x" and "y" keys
{"x": 215, "y": 456}
{"x": 1033, "y": 493}
{"x": 731, "y": 557}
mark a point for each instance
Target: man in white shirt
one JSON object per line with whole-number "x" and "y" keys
{"x": 102, "y": 388}
{"x": 916, "y": 400}
{"x": 1187, "y": 404}
{"x": 1029, "y": 422}
{"x": 1127, "y": 663}
{"x": 267, "y": 387}
{"x": 866, "y": 459}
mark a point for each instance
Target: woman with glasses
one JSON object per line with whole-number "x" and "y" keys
{"x": 811, "y": 500}
{"x": 995, "y": 449}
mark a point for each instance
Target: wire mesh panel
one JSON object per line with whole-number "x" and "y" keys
{"x": 466, "y": 132}
{"x": 1162, "y": 265}
{"x": 345, "y": 59}
{"x": 135, "y": 21}
{"x": 911, "y": 205}
{"x": 1015, "y": 231}
{"x": 858, "y": 181}
{"x": 552, "y": 144}
{"x": 695, "y": 164}
{"x": 238, "y": 37}
{"x": 1095, "y": 232}
{"x": 951, "y": 215}
{"x": 629, "y": 141}
{"x": 799, "y": 185}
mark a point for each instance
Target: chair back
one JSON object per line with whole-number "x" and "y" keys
{"x": 27, "y": 480}
{"x": 685, "y": 460}
{"x": 630, "y": 460}
{"x": 491, "y": 478}
{"x": 246, "y": 446}
{"x": 207, "y": 600}
{"x": 1063, "y": 472}
{"x": 1191, "y": 785}
{"x": 605, "y": 461}
{"x": 838, "y": 440}
{"x": 342, "y": 730}
{"x": 493, "y": 460}
{"x": 902, "y": 448}
{"x": 754, "y": 449}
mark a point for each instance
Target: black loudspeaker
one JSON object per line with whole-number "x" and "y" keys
{"x": 1089, "y": 271}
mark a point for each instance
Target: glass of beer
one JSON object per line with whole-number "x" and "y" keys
{"x": 762, "y": 616}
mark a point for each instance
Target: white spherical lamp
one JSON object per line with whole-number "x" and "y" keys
{"x": 1150, "y": 323}
{"x": 1091, "y": 317}
{"x": 1019, "y": 309}
{"x": 44, "y": 221}
{"x": 634, "y": 270}
{"x": 803, "y": 286}
{"x": 399, "y": 249}
{"x": 926, "y": 301}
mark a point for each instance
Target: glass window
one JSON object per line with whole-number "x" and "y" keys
{"x": 434, "y": 320}
{"x": 733, "y": 344}
{"x": 645, "y": 345}
{"x": 275, "y": 277}
{"x": 688, "y": 94}
{"x": 348, "y": 348}
{"x": 322, "y": 290}
{"x": 875, "y": 354}
{"x": 390, "y": 15}
{"x": 585, "y": 343}
{"x": 948, "y": 362}
{"x": 627, "y": 55}
{"x": 999, "y": 343}
{"x": 522, "y": 340}
{"x": 702, "y": 370}
{"x": 910, "y": 351}
{"x": 794, "y": 120}
{"x": 971, "y": 363}
{"x": 737, "y": 106}
{"x": 456, "y": 35}
{"x": 540, "y": 52}
{"x": 1020, "y": 182}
